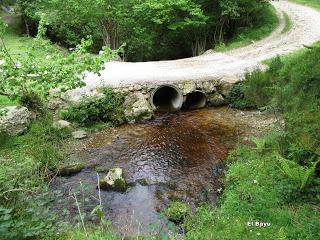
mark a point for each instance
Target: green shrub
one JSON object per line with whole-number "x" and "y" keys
{"x": 6, "y": 101}
{"x": 177, "y": 212}
{"x": 107, "y": 108}
{"x": 257, "y": 189}
{"x": 290, "y": 85}
{"x": 32, "y": 101}
{"x": 299, "y": 99}
{"x": 237, "y": 98}
{"x": 258, "y": 88}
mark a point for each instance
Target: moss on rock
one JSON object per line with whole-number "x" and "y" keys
{"x": 114, "y": 181}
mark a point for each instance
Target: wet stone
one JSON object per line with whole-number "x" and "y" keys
{"x": 114, "y": 181}
{"x": 70, "y": 169}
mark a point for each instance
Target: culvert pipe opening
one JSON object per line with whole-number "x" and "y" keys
{"x": 195, "y": 100}
{"x": 167, "y": 98}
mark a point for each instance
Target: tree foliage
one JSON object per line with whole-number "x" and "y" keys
{"x": 34, "y": 72}
{"x": 151, "y": 29}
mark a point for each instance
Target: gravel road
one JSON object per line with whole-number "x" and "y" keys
{"x": 229, "y": 66}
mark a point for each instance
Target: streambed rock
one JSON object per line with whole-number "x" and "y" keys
{"x": 14, "y": 120}
{"x": 137, "y": 108}
{"x": 61, "y": 124}
{"x": 114, "y": 181}
{"x": 216, "y": 100}
{"x": 69, "y": 169}
{"x": 79, "y": 134}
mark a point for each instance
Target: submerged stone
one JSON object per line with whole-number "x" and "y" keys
{"x": 114, "y": 181}
{"x": 69, "y": 169}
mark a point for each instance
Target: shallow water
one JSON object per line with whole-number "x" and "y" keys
{"x": 174, "y": 157}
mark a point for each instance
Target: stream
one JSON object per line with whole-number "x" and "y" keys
{"x": 174, "y": 157}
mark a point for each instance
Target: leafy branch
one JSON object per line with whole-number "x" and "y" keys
{"x": 38, "y": 73}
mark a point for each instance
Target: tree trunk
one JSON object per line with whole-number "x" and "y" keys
{"x": 27, "y": 27}
{"x": 109, "y": 30}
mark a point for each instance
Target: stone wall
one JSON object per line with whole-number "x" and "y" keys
{"x": 216, "y": 91}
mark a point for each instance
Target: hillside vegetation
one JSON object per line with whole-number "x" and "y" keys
{"x": 278, "y": 180}
{"x": 152, "y": 29}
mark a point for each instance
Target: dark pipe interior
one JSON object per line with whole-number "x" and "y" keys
{"x": 167, "y": 99}
{"x": 195, "y": 100}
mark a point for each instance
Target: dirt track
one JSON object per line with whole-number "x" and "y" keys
{"x": 229, "y": 66}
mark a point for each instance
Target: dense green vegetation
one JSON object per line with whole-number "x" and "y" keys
{"x": 101, "y": 109}
{"x": 278, "y": 180}
{"x": 151, "y": 29}
{"x": 25, "y": 199}
{"x": 32, "y": 66}
{"x": 36, "y": 72}
{"x": 264, "y": 24}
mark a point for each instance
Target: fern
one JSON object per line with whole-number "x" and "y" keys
{"x": 298, "y": 174}
{"x": 282, "y": 234}
{"x": 260, "y": 144}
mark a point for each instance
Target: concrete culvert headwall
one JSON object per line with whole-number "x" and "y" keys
{"x": 166, "y": 98}
{"x": 195, "y": 100}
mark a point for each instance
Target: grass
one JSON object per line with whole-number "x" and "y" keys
{"x": 5, "y": 101}
{"x": 18, "y": 44}
{"x": 288, "y": 23}
{"x": 257, "y": 189}
{"x": 14, "y": 41}
{"x": 310, "y": 3}
{"x": 264, "y": 27}
{"x": 296, "y": 54}
{"x": 26, "y": 163}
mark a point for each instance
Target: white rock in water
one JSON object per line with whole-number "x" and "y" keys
{"x": 114, "y": 181}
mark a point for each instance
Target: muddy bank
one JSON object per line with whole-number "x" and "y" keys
{"x": 174, "y": 157}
